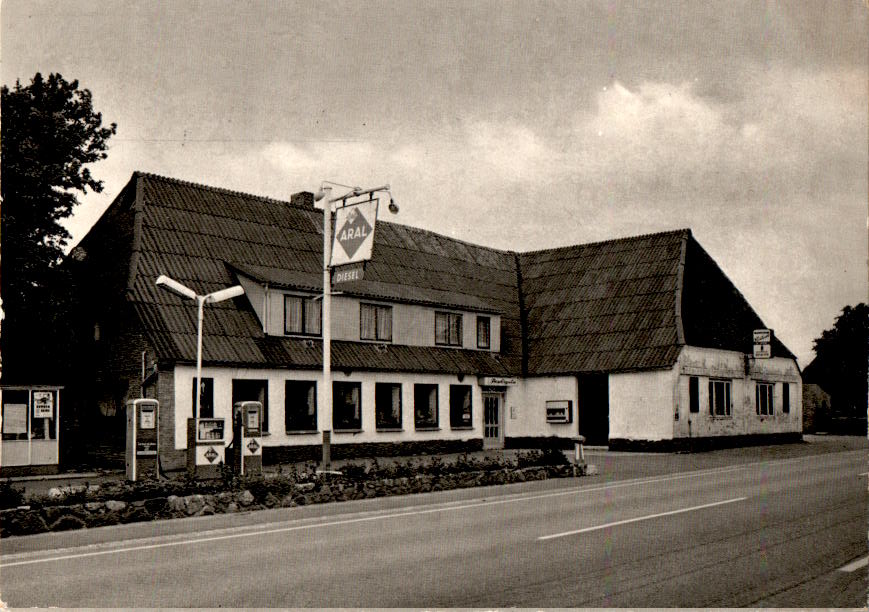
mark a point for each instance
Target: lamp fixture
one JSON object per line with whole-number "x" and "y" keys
{"x": 186, "y": 292}
{"x": 355, "y": 192}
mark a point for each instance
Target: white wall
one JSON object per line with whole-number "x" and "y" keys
{"x": 525, "y": 407}
{"x": 730, "y": 365}
{"x": 411, "y": 324}
{"x": 641, "y": 405}
{"x": 223, "y": 378}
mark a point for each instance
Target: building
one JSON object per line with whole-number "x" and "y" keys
{"x": 445, "y": 345}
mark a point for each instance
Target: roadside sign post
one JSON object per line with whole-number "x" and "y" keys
{"x": 346, "y": 253}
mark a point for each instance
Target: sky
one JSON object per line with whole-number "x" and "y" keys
{"x": 518, "y": 125}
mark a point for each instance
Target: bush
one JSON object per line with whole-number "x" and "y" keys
{"x": 10, "y": 497}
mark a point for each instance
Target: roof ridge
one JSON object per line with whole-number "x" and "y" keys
{"x": 684, "y": 232}
{"x": 234, "y": 192}
{"x": 169, "y": 179}
{"x": 457, "y": 240}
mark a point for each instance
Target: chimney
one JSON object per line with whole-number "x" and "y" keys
{"x": 303, "y": 199}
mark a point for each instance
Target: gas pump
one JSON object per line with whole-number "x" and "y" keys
{"x": 206, "y": 447}
{"x": 142, "y": 438}
{"x": 247, "y": 448}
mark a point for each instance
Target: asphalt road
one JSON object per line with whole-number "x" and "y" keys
{"x": 786, "y": 533}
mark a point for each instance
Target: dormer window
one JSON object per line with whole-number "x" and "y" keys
{"x": 302, "y": 315}
{"x": 375, "y": 322}
{"x": 484, "y": 332}
{"x": 448, "y": 328}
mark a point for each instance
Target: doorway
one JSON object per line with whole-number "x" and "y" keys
{"x": 493, "y": 417}
{"x": 593, "y": 413}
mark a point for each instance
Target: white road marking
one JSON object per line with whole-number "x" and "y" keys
{"x": 855, "y": 565}
{"x": 26, "y": 558}
{"x": 640, "y": 518}
{"x": 251, "y": 530}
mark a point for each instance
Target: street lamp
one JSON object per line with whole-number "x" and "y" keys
{"x": 217, "y": 296}
{"x": 325, "y": 192}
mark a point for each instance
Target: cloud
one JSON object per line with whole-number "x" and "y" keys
{"x": 509, "y": 149}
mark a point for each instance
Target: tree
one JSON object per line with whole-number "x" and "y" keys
{"x": 840, "y": 364}
{"x": 49, "y": 134}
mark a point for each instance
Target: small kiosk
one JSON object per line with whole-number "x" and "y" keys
{"x": 142, "y": 438}
{"x": 206, "y": 447}
{"x": 247, "y": 447}
{"x": 30, "y": 426}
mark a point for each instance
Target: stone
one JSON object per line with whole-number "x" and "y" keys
{"x": 246, "y": 498}
{"x": 232, "y": 507}
{"x": 206, "y": 511}
{"x": 193, "y": 504}
{"x": 155, "y": 505}
{"x": 114, "y": 505}
{"x": 175, "y": 503}
{"x": 93, "y": 506}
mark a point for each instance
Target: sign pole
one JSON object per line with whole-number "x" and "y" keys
{"x": 200, "y": 315}
{"x": 327, "y": 328}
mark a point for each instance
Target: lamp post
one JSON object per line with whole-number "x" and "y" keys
{"x": 217, "y": 296}
{"x": 325, "y": 193}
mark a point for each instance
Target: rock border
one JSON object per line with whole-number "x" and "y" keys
{"x": 27, "y": 520}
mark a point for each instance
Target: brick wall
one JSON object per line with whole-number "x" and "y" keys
{"x": 170, "y": 459}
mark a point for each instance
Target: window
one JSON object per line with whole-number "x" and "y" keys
{"x": 43, "y": 425}
{"x": 15, "y": 405}
{"x": 448, "y": 328}
{"x": 387, "y": 406}
{"x": 460, "y": 407}
{"x": 694, "y": 394}
{"x": 347, "y": 406}
{"x": 719, "y": 397}
{"x": 785, "y": 397}
{"x": 375, "y": 322}
{"x": 484, "y": 330}
{"x": 302, "y": 315}
{"x": 425, "y": 406}
{"x": 206, "y": 397}
{"x": 300, "y": 405}
{"x": 23, "y": 418}
{"x": 763, "y": 394}
{"x": 252, "y": 391}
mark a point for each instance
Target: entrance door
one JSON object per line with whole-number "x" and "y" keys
{"x": 493, "y": 430}
{"x": 593, "y": 411}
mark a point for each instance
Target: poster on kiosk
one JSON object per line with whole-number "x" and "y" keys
{"x": 142, "y": 438}
{"x": 206, "y": 447}
{"x": 247, "y": 448}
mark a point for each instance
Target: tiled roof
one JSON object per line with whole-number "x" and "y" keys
{"x": 200, "y": 235}
{"x": 603, "y": 307}
{"x": 620, "y": 305}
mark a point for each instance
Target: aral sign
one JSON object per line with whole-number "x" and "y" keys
{"x": 354, "y": 233}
